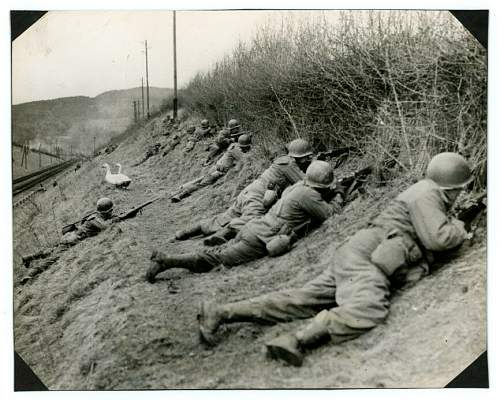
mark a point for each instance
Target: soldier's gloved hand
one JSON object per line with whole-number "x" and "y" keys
{"x": 115, "y": 220}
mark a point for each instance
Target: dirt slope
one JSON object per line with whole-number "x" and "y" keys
{"x": 91, "y": 322}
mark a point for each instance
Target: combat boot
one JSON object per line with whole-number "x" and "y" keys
{"x": 289, "y": 348}
{"x": 189, "y": 232}
{"x": 209, "y": 318}
{"x": 192, "y": 262}
{"x": 179, "y": 196}
{"x": 157, "y": 265}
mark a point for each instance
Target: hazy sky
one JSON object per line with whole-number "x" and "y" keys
{"x": 68, "y": 53}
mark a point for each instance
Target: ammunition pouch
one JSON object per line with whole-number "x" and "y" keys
{"x": 395, "y": 251}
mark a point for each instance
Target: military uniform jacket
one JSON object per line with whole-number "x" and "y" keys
{"x": 93, "y": 226}
{"x": 299, "y": 205}
{"x": 222, "y": 140}
{"x": 200, "y": 133}
{"x": 418, "y": 216}
{"x": 282, "y": 173}
{"x": 233, "y": 156}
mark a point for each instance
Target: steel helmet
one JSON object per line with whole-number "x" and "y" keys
{"x": 233, "y": 123}
{"x": 104, "y": 205}
{"x": 299, "y": 148}
{"x": 319, "y": 174}
{"x": 244, "y": 141}
{"x": 449, "y": 171}
{"x": 204, "y": 123}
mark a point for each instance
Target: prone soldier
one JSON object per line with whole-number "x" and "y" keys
{"x": 171, "y": 144}
{"x": 198, "y": 134}
{"x": 233, "y": 157}
{"x": 91, "y": 226}
{"x": 254, "y": 200}
{"x": 300, "y": 206}
{"x": 352, "y": 295}
{"x": 224, "y": 139}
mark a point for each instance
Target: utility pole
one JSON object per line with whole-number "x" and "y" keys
{"x": 39, "y": 155}
{"x": 142, "y": 89}
{"x": 94, "y": 148}
{"x": 175, "y": 73}
{"x": 147, "y": 77}
{"x": 135, "y": 111}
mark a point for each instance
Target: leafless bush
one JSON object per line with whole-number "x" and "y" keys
{"x": 400, "y": 86}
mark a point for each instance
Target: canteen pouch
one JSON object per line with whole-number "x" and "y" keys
{"x": 278, "y": 245}
{"x": 395, "y": 251}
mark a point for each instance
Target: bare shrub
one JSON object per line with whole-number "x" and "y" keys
{"x": 399, "y": 85}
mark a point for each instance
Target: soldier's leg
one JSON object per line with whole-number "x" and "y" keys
{"x": 43, "y": 266}
{"x": 35, "y": 256}
{"x": 251, "y": 205}
{"x": 363, "y": 290}
{"x": 362, "y": 296}
{"x": 213, "y": 150}
{"x": 224, "y": 233}
{"x": 200, "y": 262}
{"x": 281, "y": 306}
{"x": 189, "y": 232}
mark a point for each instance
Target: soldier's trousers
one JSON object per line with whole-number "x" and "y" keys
{"x": 49, "y": 258}
{"x": 213, "y": 151}
{"x": 203, "y": 181}
{"x": 246, "y": 247}
{"x": 349, "y": 298}
{"x": 248, "y": 205}
{"x": 189, "y": 146}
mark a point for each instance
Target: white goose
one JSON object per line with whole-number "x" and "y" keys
{"x": 119, "y": 180}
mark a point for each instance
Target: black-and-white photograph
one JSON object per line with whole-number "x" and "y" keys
{"x": 249, "y": 199}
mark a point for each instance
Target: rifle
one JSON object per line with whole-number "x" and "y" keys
{"x": 135, "y": 210}
{"x": 475, "y": 206}
{"x": 323, "y": 155}
{"x": 354, "y": 181}
{"x": 72, "y": 227}
{"x": 128, "y": 214}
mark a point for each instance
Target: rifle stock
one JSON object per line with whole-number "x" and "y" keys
{"x": 72, "y": 227}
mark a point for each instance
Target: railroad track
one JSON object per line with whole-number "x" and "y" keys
{"x": 23, "y": 183}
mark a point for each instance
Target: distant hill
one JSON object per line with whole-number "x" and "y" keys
{"x": 76, "y": 120}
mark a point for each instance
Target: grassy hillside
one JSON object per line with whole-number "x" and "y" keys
{"x": 92, "y": 322}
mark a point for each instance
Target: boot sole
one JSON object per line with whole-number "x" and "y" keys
{"x": 279, "y": 353}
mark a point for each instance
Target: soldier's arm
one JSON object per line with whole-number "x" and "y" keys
{"x": 293, "y": 173}
{"x": 89, "y": 228}
{"x": 315, "y": 206}
{"x": 435, "y": 229}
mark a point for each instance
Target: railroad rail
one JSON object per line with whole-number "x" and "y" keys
{"x": 25, "y": 182}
